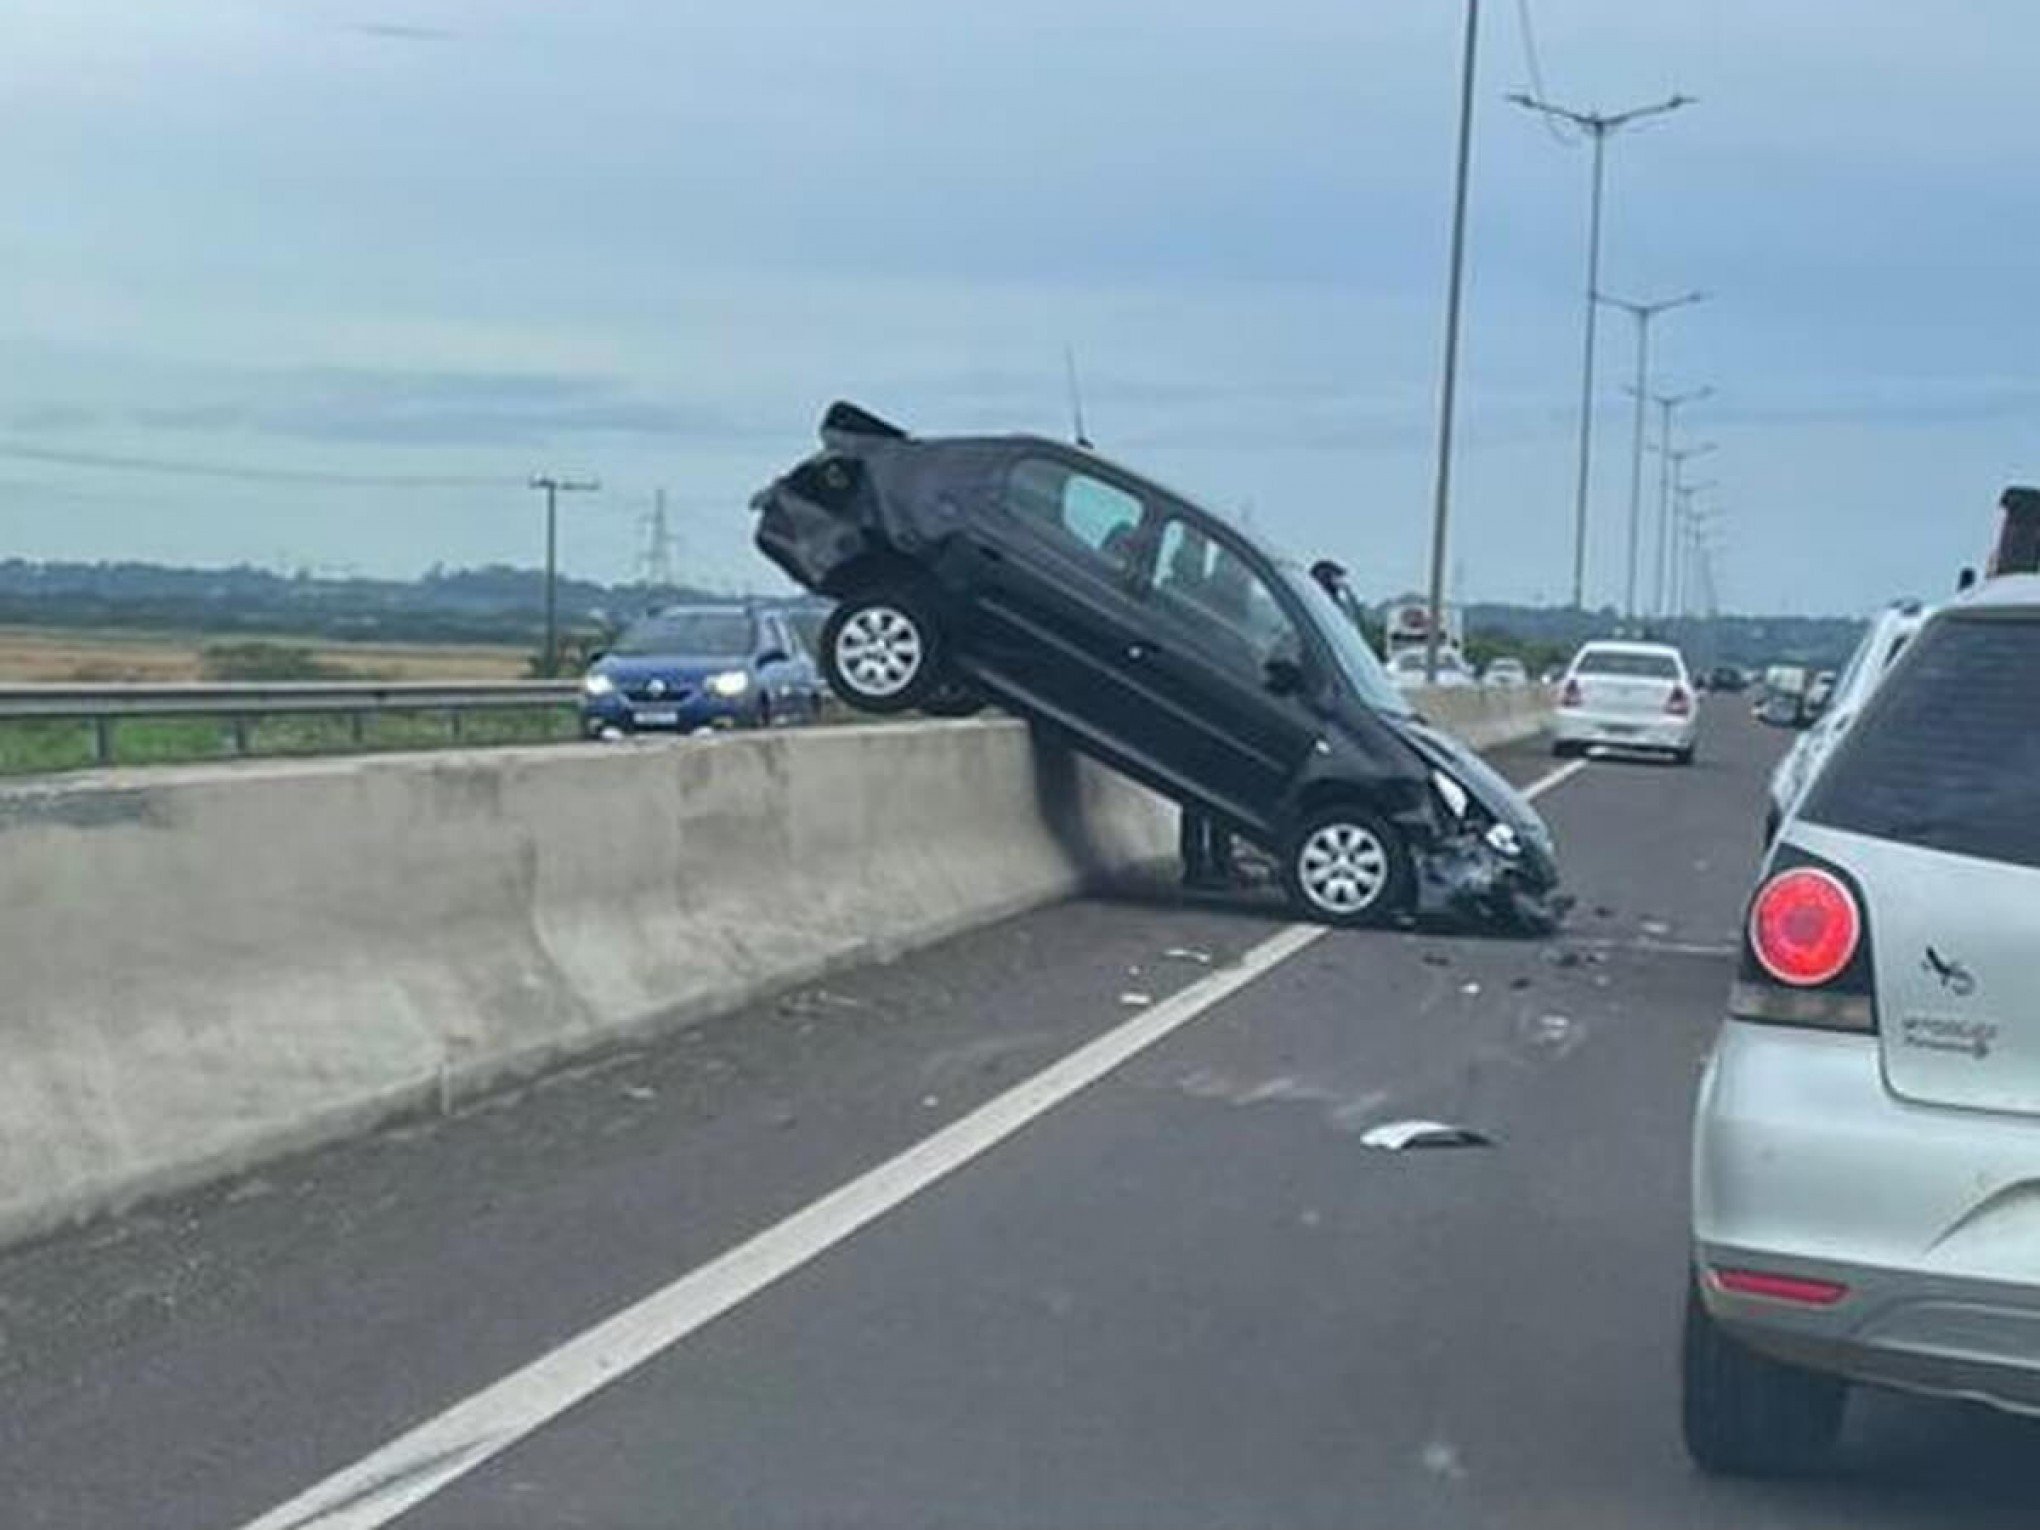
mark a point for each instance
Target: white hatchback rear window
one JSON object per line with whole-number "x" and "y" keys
{"x": 1947, "y": 753}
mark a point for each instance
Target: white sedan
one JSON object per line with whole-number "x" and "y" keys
{"x": 1508, "y": 674}
{"x": 1407, "y": 669}
{"x": 1627, "y": 696}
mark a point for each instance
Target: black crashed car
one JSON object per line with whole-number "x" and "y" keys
{"x": 1161, "y": 640}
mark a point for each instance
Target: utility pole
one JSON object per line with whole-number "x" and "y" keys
{"x": 1643, "y": 313}
{"x": 1449, "y": 386}
{"x": 1666, "y": 403}
{"x": 1597, "y": 126}
{"x": 554, "y": 487}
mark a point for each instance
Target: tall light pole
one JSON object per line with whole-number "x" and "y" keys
{"x": 1449, "y": 386}
{"x": 1643, "y": 313}
{"x": 1684, "y": 518}
{"x": 1675, "y": 459}
{"x": 1666, "y": 403}
{"x": 1597, "y": 126}
{"x": 554, "y": 487}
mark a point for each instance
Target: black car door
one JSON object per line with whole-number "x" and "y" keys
{"x": 1055, "y": 616}
{"x": 1218, "y": 613}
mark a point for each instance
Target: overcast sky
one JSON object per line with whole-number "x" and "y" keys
{"x": 323, "y": 282}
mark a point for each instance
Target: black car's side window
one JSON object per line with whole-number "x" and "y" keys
{"x": 1096, "y": 519}
{"x": 1206, "y": 585}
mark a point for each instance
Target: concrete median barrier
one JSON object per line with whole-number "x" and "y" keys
{"x": 205, "y": 967}
{"x": 1487, "y": 717}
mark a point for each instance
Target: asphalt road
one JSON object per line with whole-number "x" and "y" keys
{"x": 1188, "y": 1295}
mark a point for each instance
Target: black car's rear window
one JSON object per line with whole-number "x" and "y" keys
{"x": 1947, "y": 753}
{"x": 1613, "y": 661}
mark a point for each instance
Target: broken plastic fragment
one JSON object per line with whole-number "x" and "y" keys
{"x": 1188, "y": 954}
{"x": 1469, "y": 989}
{"x": 1399, "y": 1136}
{"x": 1134, "y": 1000}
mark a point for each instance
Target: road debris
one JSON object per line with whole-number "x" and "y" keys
{"x": 1188, "y": 954}
{"x": 638, "y": 1092}
{"x": 1469, "y": 989}
{"x": 1133, "y": 999}
{"x": 1401, "y": 1136}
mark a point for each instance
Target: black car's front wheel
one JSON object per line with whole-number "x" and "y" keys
{"x": 1346, "y": 866}
{"x": 881, "y": 651}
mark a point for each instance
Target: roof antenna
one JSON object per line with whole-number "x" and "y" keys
{"x": 1076, "y": 396}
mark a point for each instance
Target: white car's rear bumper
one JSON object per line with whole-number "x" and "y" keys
{"x": 1806, "y": 1166}
{"x": 1626, "y": 730}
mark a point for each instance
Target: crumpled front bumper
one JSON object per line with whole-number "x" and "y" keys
{"x": 1464, "y": 875}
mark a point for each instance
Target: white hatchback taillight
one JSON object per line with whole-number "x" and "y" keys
{"x": 1804, "y": 927}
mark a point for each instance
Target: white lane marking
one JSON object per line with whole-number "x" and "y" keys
{"x": 1558, "y": 777}
{"x": 426, "y": 1460}
{"x": 416, "y": 1465}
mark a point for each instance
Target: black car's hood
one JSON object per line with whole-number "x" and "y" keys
{"x": 1486, "y": 784}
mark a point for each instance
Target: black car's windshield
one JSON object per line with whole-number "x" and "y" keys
{"x": 1341, "y": 633}
{"x": 695, "y": 633}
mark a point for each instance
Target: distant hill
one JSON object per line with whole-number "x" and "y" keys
{"x": 496, "y": 604}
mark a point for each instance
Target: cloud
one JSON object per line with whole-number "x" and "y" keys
{"x": 433, "y": 408}
{"x": 240, "y": 472}
{"x": 398, "y": 31}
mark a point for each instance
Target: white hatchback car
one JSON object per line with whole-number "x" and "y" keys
{"x": 1506, "y": 674}
{"x": 1890, "y": 630}
{"x": 1866, "y": 1152}
{"x": 1627, "y": 696}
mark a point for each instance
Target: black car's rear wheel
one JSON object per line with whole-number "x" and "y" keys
{"x": 1746, "y": 1414}
{"x": 881, "y": 650}
{"x": 1346, "y": 866}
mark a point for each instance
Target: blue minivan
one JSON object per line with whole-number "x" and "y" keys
{"x": 689, "y": 667}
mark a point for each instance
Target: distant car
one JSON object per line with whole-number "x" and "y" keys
{"x": 1864, "y": 1206}
{"x": 1888, "y": 633}
{"x": 1409, "y": 669}
{"x": 691, "y": 667}
{"x": 1509, "y": 674}
{"x": 1158, "y": 638}
{"x": 1783, "y": 702}
{"x": 1627, "y": 696}
{"x": 1725, "y": 678}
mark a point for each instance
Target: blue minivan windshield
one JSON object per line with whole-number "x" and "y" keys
{"x": 1350, "y": 651}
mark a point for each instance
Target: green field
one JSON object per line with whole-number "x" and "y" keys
{"x": 28, "y": 748}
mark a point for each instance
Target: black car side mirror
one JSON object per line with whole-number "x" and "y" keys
{"x": 1283, "y": 676}
{"x": 772, "y": 656}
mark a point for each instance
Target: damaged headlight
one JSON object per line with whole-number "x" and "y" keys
{"x": 1451, "y": 793}
{"x": 1501, "y": 837}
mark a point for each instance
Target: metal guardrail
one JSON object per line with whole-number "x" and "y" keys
{"x": 241, "y": 703}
